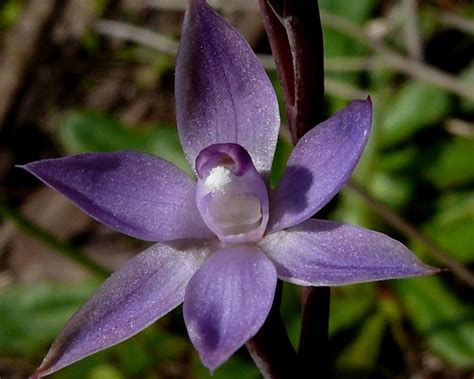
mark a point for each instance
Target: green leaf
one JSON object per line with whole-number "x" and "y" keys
{"x": 282, "y": 153}
{"x": 10, "y": 12}
{"x": 363, "y": 352}
{"x": 467, "y": 76}
{"x": 336, "y": 43}
{"x": 32, "y": 316}
{"x": 349, "y": 305}
{"x": 105, "y": 371}
{"x": 235, "y": 368}
{"x": 437, "y": 314}
{"x": 393, "y": 190}
{"x": 86, "y": 131}
{"x": 452, "y": 227}
{"x": 397, "y": 161}
{"x": 415, "y": 106}
{"x": 452, "y": 163}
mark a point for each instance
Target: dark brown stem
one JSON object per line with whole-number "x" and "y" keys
{"x": 313, "y": 352}
{"x": 270, "y": 348}
{"x": 295, "y": 34}
{"x": 296, "y": 38}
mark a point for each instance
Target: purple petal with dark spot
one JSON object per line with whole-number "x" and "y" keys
{"x": 227, "y": 301}
{"x": 222, "y": 92}
{"x": 325, "y": 253}
{"x": 321, "y": 163}
{"x": 138, "y": 194}
{"x": 143, "y": 290}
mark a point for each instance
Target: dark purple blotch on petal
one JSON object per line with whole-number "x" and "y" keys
{"x": 320, "y": 164}
{"x": 227, "y": 301}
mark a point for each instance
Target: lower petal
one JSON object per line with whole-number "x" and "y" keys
{"x": 227, "y": 301}
{"x": 325, "y": 253}
{"x": 143, "y": 290}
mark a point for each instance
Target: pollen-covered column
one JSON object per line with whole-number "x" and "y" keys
{"x": 231, "y": 195}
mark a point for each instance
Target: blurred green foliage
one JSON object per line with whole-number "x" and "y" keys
{"x": 92, "y": 131}
{"x": 414, "y": 164}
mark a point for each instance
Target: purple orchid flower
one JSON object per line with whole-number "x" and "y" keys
{"x": 226, "y": 238}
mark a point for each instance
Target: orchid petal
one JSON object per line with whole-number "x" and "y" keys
{"x": 319, "y": 166}
{"x": 222, "y": 92}
{"x": 146, "y": 288}
{"x": 325, "y": 253}
{"x": 227, "y": 301}
{"x": 138, "y": 194}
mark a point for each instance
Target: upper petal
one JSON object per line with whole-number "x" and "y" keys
{"x": 325, "y": 253}
{"x": 146, "y": 288}
{"x": 227, "y": 301}
{"x": 222, "y": 92}
{"x": 138, "y": 194}
{"x": 320, "y": 164}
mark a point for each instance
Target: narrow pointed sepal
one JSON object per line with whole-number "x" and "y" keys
{"x": 320, "y": 164}
{"x": 138, "y": 194}
{"x": 326, "y": 253}
{"x": 143, "y": 290}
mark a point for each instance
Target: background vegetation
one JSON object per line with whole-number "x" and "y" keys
{"x": 97, "y": 75}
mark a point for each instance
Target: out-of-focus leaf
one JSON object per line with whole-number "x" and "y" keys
{"x": 105, "y": 372}
{"x": 439, "y": 316}
{"x": 10, "y": 13}
{"x": 290, "y": 311}
{"x": 91, "y": 131}
{"x": 415, "y": 106}
{"x": 338, "y": 44}
{"x": 142, "y": 360}
{"x": 397, "y": 160}
{"x": 234, "y": 368}
{"x": 349, "y": 305}
{"x": 32, "y": 316}
{"x": 452, "y": 163}
{"x": 394, "y": 190}
{"x": 282, "y": 153}
{"x": 363, "y": 352}
{"x": 467, "y": 76}
{"x": 452, "y": 227}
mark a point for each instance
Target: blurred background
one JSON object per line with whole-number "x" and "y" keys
{"x": 97, "y": 75}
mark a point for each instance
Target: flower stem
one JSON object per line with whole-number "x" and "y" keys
{"x": 26, "y": 225}
{"x": 271, "y": 348}
{"x": 295, "y": 35}
{"x": 313, "y": 352}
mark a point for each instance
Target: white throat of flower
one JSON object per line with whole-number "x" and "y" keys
{"x": 234, "y": 212}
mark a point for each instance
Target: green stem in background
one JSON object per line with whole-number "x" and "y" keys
{"x": 37, "y": 232}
